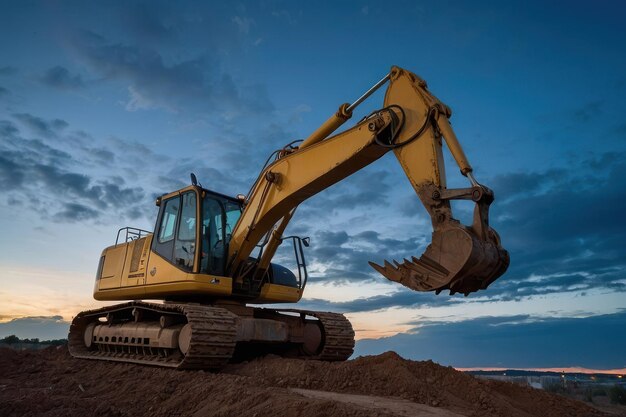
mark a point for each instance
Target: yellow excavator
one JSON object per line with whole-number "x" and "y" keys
{"x": 210, "y": 255}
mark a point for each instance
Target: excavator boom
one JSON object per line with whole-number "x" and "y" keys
{"x": 412, "y": 124}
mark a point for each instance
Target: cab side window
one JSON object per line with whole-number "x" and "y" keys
{"x": 168, "y": 222}
{"x": 184, "y": 249}
{"x": 164, "y": 244}
{"x": 176, "y": 235}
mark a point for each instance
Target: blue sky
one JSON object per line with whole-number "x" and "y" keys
{"x": 105, "y": 105}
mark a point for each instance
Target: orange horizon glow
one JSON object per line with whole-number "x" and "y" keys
{"x": 566, "y": 370}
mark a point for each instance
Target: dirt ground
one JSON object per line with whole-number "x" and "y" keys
{"x": 51, "y": 383}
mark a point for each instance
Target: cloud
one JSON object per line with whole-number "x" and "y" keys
{"x": 41, "y": 327}
{"x": 139, "y": 102}
{"x": 566, "y": 227}
{"x": 563, "y": 228}
{"x": 287, "y": 16}
{"x": 60, "y": 78}
{"x": 8, "y": 129}
{"x": 11, "y": 175}
{"x": 518, "y": 341}
{"x": 33, "y": 169}
{"x": 365, "y": 189}
{"x": 243, "y": 24}
{"x": 73, "y": 212}
{"x": 39, "y": 126}
{"x": 155, "y": 82}
{"x": 337, "y": 256}
{"x": 4, "y": 92}
{"x": 401, "y": 298}
{"x": 515, "y": 184}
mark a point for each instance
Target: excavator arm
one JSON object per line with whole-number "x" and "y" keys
{"x": 412, "y": 124}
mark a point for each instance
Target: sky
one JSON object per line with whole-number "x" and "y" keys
{"x": 106, "y": 105}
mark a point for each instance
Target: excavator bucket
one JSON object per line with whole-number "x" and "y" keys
{"x": 461, "y": 259}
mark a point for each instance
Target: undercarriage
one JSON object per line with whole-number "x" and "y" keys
{"x": 198, "y": 336}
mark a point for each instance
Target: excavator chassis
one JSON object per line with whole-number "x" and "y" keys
{"x": 197, "y": 336}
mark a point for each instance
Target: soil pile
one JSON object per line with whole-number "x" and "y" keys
{"x": 50, "y": 382}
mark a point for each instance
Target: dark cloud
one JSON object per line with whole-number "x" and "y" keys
{"x": 155, "y": 83}
{"x": 516, "y": 342}
{"x": 567, "y": 232}
{"x": 103, "y": 155}
{"x": 39, "y": 126}
{"x": 132, "y": 148}
{"x": 364, "y": 190}
{"x": 11, "y": 174}
{"x": 515, "y": 184}
{"x": 60, "y": 77}
{"x": 73, "y": 212}
{"x": 41, "y": 327}
{"x": 8, "y": 129}
{"x": 344, "y": 257}
{"x": 31, "y": 165}
{"x": 402, "y": 298}
{"x": 8, "y": 70}
{"x": 564, "y": 230}
{"x": 100, "y": 194}
{"x": 4, "y": 92}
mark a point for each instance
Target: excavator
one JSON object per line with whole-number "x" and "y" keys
{"x": 208, "y": 264}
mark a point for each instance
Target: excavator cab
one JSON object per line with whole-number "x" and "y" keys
{"x": 194, "y": 228}
{"x": 195, "y": 217}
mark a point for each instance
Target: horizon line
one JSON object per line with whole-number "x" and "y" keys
{"x": 565, "y": 369}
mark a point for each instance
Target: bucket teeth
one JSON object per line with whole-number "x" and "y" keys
{"x": 457, "y": 261}
{"x": 419, "y": 274}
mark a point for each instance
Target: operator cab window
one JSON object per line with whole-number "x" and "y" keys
{"x": 219, "y": 217}
{"x": 212, "y": 226}
{"x": 168, "y": 222}
{"x": 176, "y": 238}
{"x": 163, "y": 244}
{"x": 184, "y": 248}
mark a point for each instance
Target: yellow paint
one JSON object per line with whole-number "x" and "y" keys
{"x": 274, "y": 293}
{"x": 194, "y": 285}
{"x": 155, "y": 277}
{"x": 112, "y": 269}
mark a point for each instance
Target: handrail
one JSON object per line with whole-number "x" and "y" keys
{"x": 132, "y": 233}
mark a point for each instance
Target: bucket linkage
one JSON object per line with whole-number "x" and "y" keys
{"x": 461, "y": 258}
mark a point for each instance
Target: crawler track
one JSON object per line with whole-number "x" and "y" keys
{"x": 338, "y": 335}
{"x": 213, "y": 332}
{"x": 213, "y": 336}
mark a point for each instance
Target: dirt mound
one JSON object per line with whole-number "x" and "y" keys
{"x": 421, "y": 382}
{"x": 50, "y": 382}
